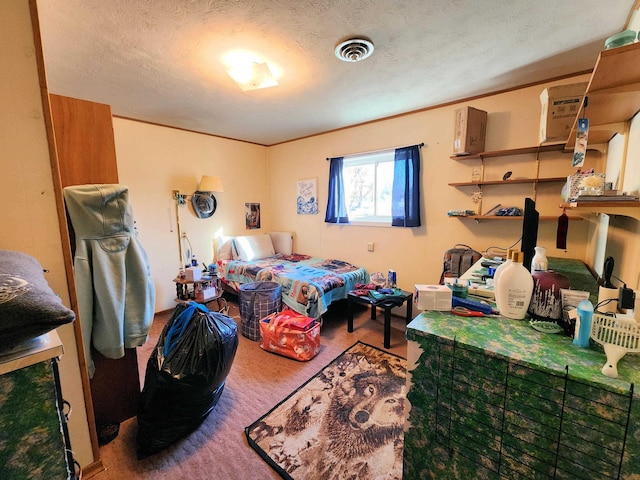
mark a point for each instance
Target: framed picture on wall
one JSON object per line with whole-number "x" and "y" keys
{"x": 307, "y": 198}
{"x": 252, "y": 215}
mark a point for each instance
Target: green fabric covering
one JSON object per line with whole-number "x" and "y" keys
{"x": 31, "y": 441}
{"x": 493, "y": 398}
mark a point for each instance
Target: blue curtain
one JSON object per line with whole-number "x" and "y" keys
{"x": 405, "y": 197}
{"x": 336, "y": 206}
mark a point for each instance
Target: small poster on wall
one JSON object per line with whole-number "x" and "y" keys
{"x": 252, "y": 214}
{"x": 307, "y": 197}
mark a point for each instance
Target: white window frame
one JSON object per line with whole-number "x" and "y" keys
{"x": 373, "y": 158}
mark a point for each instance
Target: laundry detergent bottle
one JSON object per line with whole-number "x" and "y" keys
{"x": 515, "y": 287}
{"x": 498, "y": 273}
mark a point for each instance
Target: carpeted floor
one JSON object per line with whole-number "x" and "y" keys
{"x": 258, "y": 381}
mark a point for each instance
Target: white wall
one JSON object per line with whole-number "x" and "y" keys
{"x": 622, "y": 241}
{"x": 416, "y": 253}
{"x": 153, "y": 161}
{"x": 28, "y": 217}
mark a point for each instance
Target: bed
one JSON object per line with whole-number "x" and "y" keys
{"x": 309, "y": 284}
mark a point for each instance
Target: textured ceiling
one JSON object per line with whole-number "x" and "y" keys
{"x": 162, "y": 61}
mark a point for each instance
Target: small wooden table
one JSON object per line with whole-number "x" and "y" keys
{"x": 385, "y": 303}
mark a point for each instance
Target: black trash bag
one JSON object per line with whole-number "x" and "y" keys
{"x": 185, "y": 376}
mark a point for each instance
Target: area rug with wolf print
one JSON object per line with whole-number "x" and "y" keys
{"x": 344, "y": 422}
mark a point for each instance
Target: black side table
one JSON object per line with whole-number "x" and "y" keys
{"x": 386, "y": 304}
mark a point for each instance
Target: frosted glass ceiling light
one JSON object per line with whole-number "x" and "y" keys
{"x": 252, "y": 76}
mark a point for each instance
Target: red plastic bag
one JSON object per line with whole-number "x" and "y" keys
{"x": 290, "y": 334}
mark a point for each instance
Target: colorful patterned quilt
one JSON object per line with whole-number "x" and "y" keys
{"x": 309, "y": 284}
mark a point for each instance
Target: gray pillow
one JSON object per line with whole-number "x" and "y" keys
{"x": 28, "y": 306}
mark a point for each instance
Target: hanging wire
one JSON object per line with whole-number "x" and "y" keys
{"x": 605, "y": 302}
{"x": 501, "y": 249}
{"x": 189, "y": 251}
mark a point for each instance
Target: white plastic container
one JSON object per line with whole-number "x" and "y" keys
{"x": 539, "y": 262}
{"x": 515, "y": 289}
{"x": 498, "y": 273}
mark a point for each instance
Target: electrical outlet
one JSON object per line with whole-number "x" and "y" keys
{"x": 370, "y": 246}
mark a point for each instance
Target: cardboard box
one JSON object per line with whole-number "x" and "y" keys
{"x": 432, "y": 297}
{"x": 470, "y": 128}
{"x": 560, "y": 107}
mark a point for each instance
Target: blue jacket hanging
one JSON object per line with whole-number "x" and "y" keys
{"x": 116, "y": 295}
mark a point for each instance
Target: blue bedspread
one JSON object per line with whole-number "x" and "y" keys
{"x": 309, "y": 284}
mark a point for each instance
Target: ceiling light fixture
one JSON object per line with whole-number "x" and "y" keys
{"x": 252, "y": 76}
{"x": 354, "y": 49}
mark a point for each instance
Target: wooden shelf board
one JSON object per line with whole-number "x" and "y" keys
{"x": 615, "y": 67}
{"x": 554, "y": 147}
{"x": 618, "y": 204}
{"x": 507, "y": 182}
{"x": 502, "y": 218}
{"x": 613, "y": 94}
{"x": 598, "y": 134}
{"x": 626, "y": 209}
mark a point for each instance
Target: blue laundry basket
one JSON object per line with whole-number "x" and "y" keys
{"x": 256, "y": 301}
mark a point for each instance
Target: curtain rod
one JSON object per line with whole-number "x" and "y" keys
{"x": 378, "y": 151}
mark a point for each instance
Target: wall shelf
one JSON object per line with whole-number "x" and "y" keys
{"x": 479, "y": 218}
{"x": 527, "y": 154}
{"x": 556, "y": 147}
{"x": 626, "y": 209}
{"x": 613, "y": 94}
{"x": 507, "y": 182}
{"x": 613, "y": 97}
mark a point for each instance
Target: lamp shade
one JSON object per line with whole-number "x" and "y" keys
{"x": 210, "y": 184}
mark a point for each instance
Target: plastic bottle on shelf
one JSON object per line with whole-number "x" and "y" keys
{"x": 539, "y": 262}
{"x": 194, "y": 260}
{"x": 515, "y": 289}
{"x": 499, "y": 271}
{"x": 583, "y": 324}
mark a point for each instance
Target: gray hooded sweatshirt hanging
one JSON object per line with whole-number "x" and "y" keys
{"x": 116, "y": 295}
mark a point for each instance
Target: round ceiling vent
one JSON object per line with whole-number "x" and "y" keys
{"x": 354, "y": 49}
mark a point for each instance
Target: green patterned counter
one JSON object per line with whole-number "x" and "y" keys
{"x": 492, "y": 398}
{"x": 32, "y": 437}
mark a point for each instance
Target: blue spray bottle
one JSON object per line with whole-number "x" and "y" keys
{"x": 583, "y": 324}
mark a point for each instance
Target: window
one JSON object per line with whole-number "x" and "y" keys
{"x": 376, "y": 188}
{"x": 368, "y": 183}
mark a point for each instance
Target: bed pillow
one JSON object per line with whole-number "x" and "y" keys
{"x": 282, "y": 242}
{"x": 253, "y": 247}
{"x": 28, "y": 306}
{"x": 223, "y": 247}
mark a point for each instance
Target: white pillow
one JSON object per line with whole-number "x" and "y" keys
{"x": 282, "y": 242}
{"x": 253, "y": 247}
{"x": 223, "y": 247}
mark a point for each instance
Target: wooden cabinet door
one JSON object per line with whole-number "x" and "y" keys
{"x": 86, "y": 151}
{"x": 84, "y": 141}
